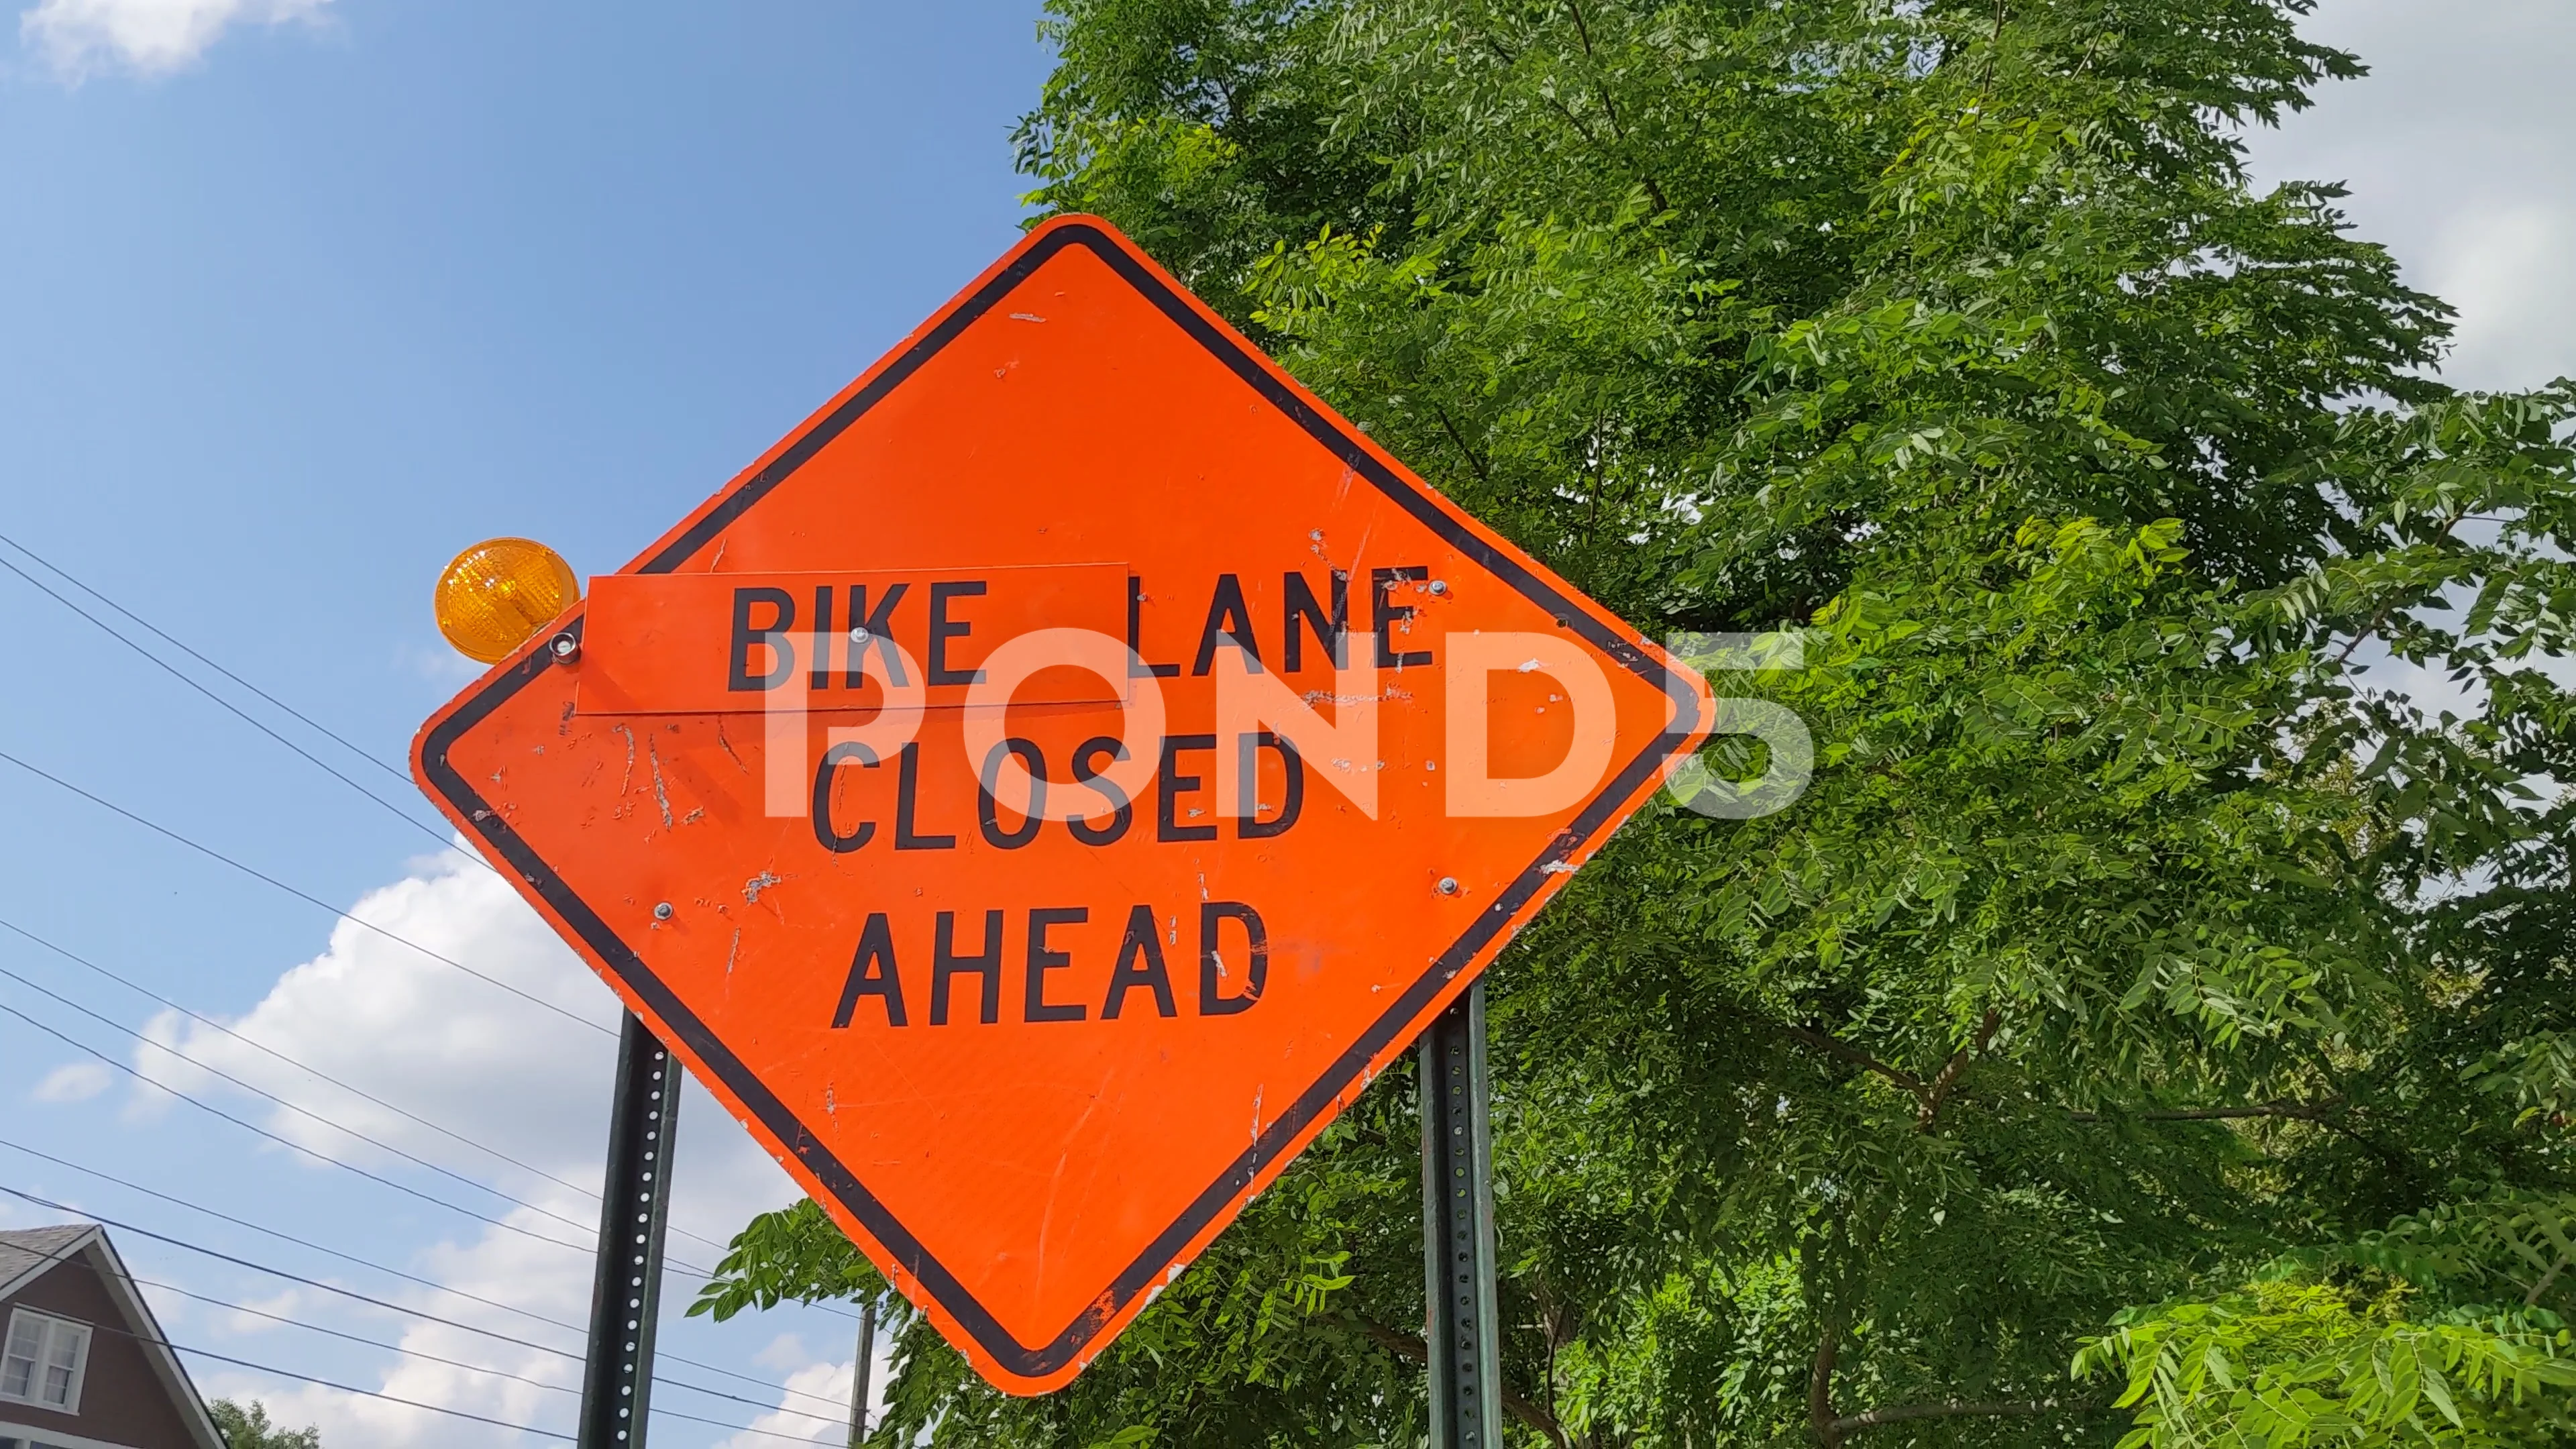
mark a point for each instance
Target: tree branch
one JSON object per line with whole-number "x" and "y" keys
{"x": 2532, "y": 1298}
{"x": 1556, "y": 1327}
{"x": 1571, "y": 119}
{"x": 2378, "y": 621}
{"x": 1994, "y": 43}
{"x": 2324, "y": 1114}
{"x": 1835, "y": 1046}
{"x": 1820, "y": 1387}
{"x": 2295, "y": 1111}
{"x": 1939, "y": 1091}
{"x": 1406, "y": 1346}
{"x": 1908, "y": 1413}
{"x": 1601, "y": 92}
{"x": 1473, "y": 461}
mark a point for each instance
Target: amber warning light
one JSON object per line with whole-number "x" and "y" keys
{"x": 496, "y": 595}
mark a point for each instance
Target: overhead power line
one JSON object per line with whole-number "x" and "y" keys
{"x": 235, "y": 710}
{"x": 56, "y": 780}
{"x": 289, "y": 1238}
{"x": 305, "y": 1112}
{"x": 58, "y": 1256}
{"x": 356, "y": 1338}
{"x": 367, "y": 1263}
{"x": 454, "y": 1363}
{"x": 680, "y": 1264}
{"x": 390, "y": 807}
{"x": 207, "y": 1353}
{"x": 286, "y": 1142}
{"x": 308, "y": 898}
{"x": 308, "y": 721}
{"x": 256, "y": 1045}
{"x": 213, "y": 1025}
{"x": 441, "y": 1408}
{"x": 335, "y": 737}
{"x": 373, "y": 1302}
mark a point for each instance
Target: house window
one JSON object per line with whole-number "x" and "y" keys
{"x": 43, "y": 1360}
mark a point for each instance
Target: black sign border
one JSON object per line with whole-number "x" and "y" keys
{"x": 1406, "y": 1016}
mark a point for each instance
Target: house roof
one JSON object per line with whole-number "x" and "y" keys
{"x": 27, "y": 1251}
{"x": 27, "y": 1254}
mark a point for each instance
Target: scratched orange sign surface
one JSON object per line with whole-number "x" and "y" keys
{"x": 1052, "y": 782}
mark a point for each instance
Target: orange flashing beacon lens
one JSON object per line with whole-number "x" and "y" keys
{"x": 499, "y": 593}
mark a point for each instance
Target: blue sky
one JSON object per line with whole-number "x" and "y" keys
{"x": 285, "y": 321}
{"x": 298, "y": 297}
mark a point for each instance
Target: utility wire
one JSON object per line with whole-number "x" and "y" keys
{"x": 289, "y": 1143}
{"x": 360, "y": 1092}
{"x": 306, "y": 1243}
{"x": 434, "y": 1408}
{"x": 207, "y": 1353}
{"x": 325, "y": 731}
{"x": 455, "y": 1363}
{"x": 176, "y": 673}
{"x": 367, "y": 1263}
{"x": 212, "y": 854}
{"x": 304, "y": 1112}
{"x": 400, "y": 814}
{"x": 245, "y": 1308}
{"x": 354, "y": 1296}
{"x": 442, "y": 840}
{"x": 744, "y": 1428}
{"x": 213, "y": 1025}
{"x": 344, "y": 915}
{"x": 682, "y": 1264}
{"x": 57, "y": 1257}
{"x": 460, "y": 1363}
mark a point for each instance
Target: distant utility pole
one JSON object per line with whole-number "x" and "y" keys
{"x": 859, "y": 1373}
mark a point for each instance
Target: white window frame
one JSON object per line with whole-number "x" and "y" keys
{"x": 53, "y": 1323}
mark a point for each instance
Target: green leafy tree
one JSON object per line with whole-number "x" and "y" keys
{"x": 246, "y": 1426}
{"x": 2144, "y": 985}
{"x": 2285, "y": 1364}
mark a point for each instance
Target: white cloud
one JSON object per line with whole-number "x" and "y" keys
{"x": 819, "y": 1380}
{"x": 786, "y": 1353}
{"x": 73, "y": 1082}
{"x": 497, "y": 1070}
{"x": 2453, "y": 147}
{"x": 2504, "y": 267}
{"x": 153, "y": 37}
{"x": 410, "y": 1029}
{"x": 260, "y": 1315}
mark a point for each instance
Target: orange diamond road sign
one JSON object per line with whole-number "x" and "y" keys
{"x": 1052, "y": 782}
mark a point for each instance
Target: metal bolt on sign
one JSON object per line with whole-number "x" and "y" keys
{"x": 634, "y": 1212}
